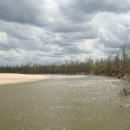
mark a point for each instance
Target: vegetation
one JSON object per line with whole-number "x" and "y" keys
{"x": 114, "y": 63}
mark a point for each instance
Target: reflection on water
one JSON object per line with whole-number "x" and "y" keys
{"x": 64, "y": 103}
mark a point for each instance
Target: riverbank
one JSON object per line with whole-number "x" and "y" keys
{"x": 10, "y": 78}
{"x": 119, "y": 75}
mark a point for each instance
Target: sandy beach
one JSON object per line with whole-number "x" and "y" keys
{"x": 9, "y": 78}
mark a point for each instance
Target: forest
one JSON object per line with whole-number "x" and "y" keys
{"x": 114, "y": 63}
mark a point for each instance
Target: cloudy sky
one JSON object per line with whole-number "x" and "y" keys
{"x": 48, "y": 31}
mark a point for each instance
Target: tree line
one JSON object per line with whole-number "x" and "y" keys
{"x": 115, "y": 62}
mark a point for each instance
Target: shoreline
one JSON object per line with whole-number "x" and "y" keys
{"x": 119, "y": 75}
{"x": 13, "y": 78}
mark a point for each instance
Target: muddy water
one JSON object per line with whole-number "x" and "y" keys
{"x": 65, "y": 103}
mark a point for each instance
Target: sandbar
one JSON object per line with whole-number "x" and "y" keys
{"x": 10, "y": 78}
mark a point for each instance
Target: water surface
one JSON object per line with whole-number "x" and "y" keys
{"x": 65, "y": 103}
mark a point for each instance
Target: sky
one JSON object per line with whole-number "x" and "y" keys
{"x": 53, "y": 31}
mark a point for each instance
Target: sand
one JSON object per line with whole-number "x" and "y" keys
{"x": 9, "y": 78}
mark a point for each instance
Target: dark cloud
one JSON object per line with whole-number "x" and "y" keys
{"x": 68, "y": 27}
{"x": 24, "y": 12}
{"x": 73, "y": 11}
{"x": 91, "y": 6}
{"x": 84, "y": 10}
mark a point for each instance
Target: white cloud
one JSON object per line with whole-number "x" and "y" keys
{"x": 3, "y": 37}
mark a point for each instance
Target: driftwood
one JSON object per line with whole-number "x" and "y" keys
{"x": 116, "y": 83}
{"x": 124, "y": 91}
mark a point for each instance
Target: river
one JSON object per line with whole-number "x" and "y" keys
{"x": 65, "y": 103}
